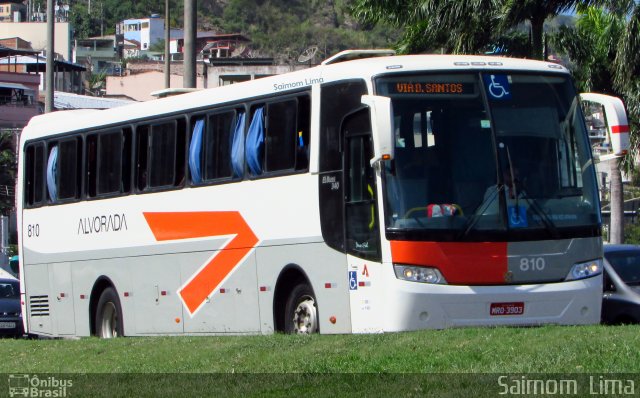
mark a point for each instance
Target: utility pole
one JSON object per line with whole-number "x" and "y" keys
{"x": 48, "y": 99}
{"x": 167, "y": 55}
{"x": 189, "y": 79}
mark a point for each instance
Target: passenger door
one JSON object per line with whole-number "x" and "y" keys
{"x": 361, "y": 224}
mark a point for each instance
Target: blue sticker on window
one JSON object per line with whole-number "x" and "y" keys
{"x": 498, "y": 87}
{"x": 517, "y": 216}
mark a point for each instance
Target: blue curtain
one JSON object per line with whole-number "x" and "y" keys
{"x": 195, "y": 152}
{"x": 237, "y": 146}
{"x": 255, "y": 141}
{"x": 52, "y": 168}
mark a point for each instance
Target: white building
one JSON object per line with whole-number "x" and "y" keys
{"x": 146, "y": 31}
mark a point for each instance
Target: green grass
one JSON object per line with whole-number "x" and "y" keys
{"x": 540, "y": 349}
{"x": 349, "y": 360}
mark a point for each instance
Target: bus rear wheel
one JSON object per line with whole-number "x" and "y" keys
{"x": 109, "y": 315}
{"x": 301, "y": 311}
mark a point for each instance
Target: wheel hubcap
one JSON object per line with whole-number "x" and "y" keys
{"x": 109, "y": 327}
{"x": 305, "y": 316}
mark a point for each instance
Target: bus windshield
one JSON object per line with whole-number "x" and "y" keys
{"x": 488, "y": 156}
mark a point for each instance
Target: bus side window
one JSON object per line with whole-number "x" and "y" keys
{"x": 162, "y": 155}
{"x": 278, "y": 137}
{"x": 68, "y": 168}
{"x": 34, "y": 174}
{"x": 237, "y": 145}
{"x": 195, "y": 149}
{"x": 217, "y": 145}
{"x": 91, "y": 165}
{"x": 52, "y": 167}
{"x": 210, "y": 146}
{"x": 142, "y": 154}
{"x": 254, "y": 142}
{"x": 110, "y": 162}
{"x": 303, "y": 127}
{"x": 127, "y": 145}
{"x": 281, "y": 135}
{"x": 180, "y": 152}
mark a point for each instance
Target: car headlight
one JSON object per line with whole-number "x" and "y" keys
{"x": 419, "y": 274}
{"x": 585, "y": 270}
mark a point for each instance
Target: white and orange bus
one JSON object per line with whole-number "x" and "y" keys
{"x": 377, "y": 194}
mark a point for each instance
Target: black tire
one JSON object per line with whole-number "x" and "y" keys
{"x": 109, "y": 315}
{"x": 301, "y": 311}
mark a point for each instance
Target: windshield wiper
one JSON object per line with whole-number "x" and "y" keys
{"x": 533, "y": 205}
{"x": 548, "y": 223}
{"x": 480, "y": 209}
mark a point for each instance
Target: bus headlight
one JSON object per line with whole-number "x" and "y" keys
{"x": 585, "y": 270}
{"x": 419, "y": 274}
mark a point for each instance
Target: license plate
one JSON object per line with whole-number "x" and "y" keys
{"x": 7, "y": 325}
{"x": 498, "y": 309}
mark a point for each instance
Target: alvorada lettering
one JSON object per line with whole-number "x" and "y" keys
{"x": 101, "y": 224}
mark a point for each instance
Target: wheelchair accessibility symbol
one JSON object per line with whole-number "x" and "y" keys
{"x": 353, "y": 280}
{"x": 498, "y": 86}
{"x": 517, "y": 216}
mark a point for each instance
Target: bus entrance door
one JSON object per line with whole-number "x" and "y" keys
{"x": 362, "y": 227}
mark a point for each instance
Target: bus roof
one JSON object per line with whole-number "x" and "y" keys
{"x": 61, "y": 122}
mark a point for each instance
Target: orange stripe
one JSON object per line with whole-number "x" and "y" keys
{"x": 468, "y": 263}
{"x": 187, "y": 225}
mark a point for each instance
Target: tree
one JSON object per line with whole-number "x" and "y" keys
{"x": 7, "y": 170}
{"x": 627, "y": 64}
{"x": 463, "y": 26}
{"x": 453, "y": 26}
{"x": 591, "y": 45}
{"x": 600, "y": 37}
{"x": 627, "y": 79}
{"x": 536, "y": 12}
{"x": 285, "y": 28}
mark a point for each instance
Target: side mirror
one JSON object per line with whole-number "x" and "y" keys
{"x": 617, "y": 125}
{"x": 14, "y": 265}
{"x": 382, "y": 130}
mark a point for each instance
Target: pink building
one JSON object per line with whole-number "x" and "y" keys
{"x": 18, "y": 93}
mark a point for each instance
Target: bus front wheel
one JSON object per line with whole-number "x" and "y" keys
{"x": 301, "y": 311}
{"x": 109, "y": 315}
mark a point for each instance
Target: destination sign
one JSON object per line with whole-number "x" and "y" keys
{"x": 430, "y": 88}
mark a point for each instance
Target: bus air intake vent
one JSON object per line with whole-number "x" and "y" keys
{"x": 39, "y": 305}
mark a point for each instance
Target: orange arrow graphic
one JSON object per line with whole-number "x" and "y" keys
{"x": 188, "y": 225}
